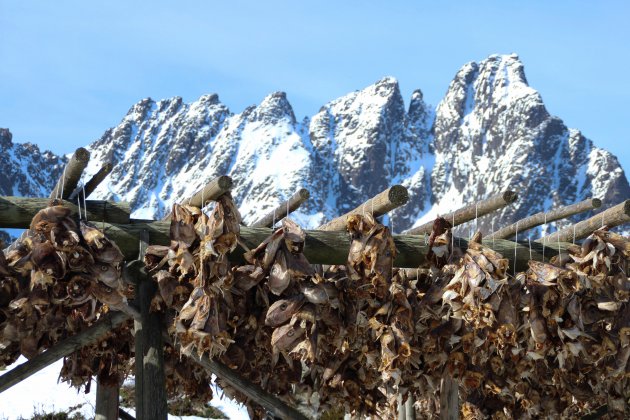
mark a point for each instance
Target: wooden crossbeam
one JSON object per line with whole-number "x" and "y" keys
{"x": 272, "y": 403}
{"x": 323, "y": 247}
{"x": 292, "y": 204}
{"x": 17, "y": 212}
{"x": 470, "y": 212}
{"x": 380, "y": 204}
{"x": 546, "y": 217}
{"x": 62, "y": 349}
{"x": 614, "y": 216}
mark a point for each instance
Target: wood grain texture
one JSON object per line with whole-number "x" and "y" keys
{"x": 614, "y": 216}
{"x": 280, "y": 212}
{"x": 106, "y": 401}
{"x": 330, "y": 248}
{"x": 270, "y": 402}
{"x": 546, "y": 217}
{"x": 150, "y": 380}
{"x": 71, "y": 174}
{"x": 17, "y": 212}
{"x": 378, "y": 205}
{"x": 97, "y": 178}
{"x": 62, "y": 349}
{"x": 470, "y": 212}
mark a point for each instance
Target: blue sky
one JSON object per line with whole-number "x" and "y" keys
{"x": 71, "y": 69}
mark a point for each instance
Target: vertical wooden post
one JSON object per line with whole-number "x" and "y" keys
{"x": 106, "y": 401}
{"x": 151, "y": 401}
{"x": 401, "y": 408}
{"x": 449, "y": 398}
{"x": 410, "y": 411}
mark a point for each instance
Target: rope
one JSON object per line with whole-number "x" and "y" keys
{"x": 543, "y": 239}
{"x": 515, "y": 248}
{"x": 84, "y": 205}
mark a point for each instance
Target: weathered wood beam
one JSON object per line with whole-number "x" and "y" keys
{"x": 546, "y": 217}
{"x": 323, "y": 247}
{"x": 449, "y": 398}
{"x": 107, "y": 397}
{"x": 410, "y": 410}
{"x": 378, "y": 205}
{"x": 614, "y": 216}
{"x": 71, "y": 174}
{"x": 123, "y": 415}
{"x": 468, "y": 213}
{"x": 62, "y": 349}
{"x": 150, "y": 381}
{"x": 210, "y": 192}
{"x": 272, "y": 403}
{"x": 17, "y": 212}
{"x": 280, "y": 212}
{"x": 94, "y": 182}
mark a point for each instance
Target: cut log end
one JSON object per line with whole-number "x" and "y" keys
{"x": 225, "y": 182}
{"x": 398, "y": 195}
{"x": 626, "y": 207}
{"x": 596, "y": 203}
{"x": 304, "y": 193}
{"x": 510, "y": 196}
{"x": 82, "y": 154}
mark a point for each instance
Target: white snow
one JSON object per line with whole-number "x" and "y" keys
{"x": 42, "y": 393}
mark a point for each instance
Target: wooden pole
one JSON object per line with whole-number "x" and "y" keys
{"x": 410, "y": 411}
{"x": 213, "y": 190}
{"x": 270, "y": 402}
{"x": 323, "y": 247}
{"x": 17, "y": 212}
{"x": 378, "y": 205}
{"x": 449, "y": 398}
{"x": 151, "y": 399}
{"x": 62, "y": 349}
{"x": 94, "y": 182}
{"x": 468, "y": 213}
{"x": 546, "y": 217}
{"x": 210, "y": 192}
{"x": 280, "y": 212}
{"x": 106, "y": 401}
{"x": 71, "y": 174}
{"x": 614, "y": 216}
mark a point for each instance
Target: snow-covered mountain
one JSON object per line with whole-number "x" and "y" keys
{"x": 26, "y": 171}
{"x": 491, "y": 132}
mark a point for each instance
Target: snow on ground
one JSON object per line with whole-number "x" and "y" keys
{"x": 41, "y": 393}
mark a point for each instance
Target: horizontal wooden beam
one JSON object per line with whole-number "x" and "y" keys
{"x": 280, "y": 211}
{"x": 272, "y": 403}
{"x": 62, "y": 349}
{"x": 546, "y": 217}
{"x": 71, "y": 174}
{"x": 470, "y": 212}
{"x": 611, "y": 217}
{"x": 378, "y": 205}
{"x": 17, "y": 212}
{"x": 322, "y": 247}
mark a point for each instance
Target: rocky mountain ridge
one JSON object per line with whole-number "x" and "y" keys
{"x": 491, "y": 132}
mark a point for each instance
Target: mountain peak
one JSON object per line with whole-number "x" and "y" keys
{"x": 274, "y": 107}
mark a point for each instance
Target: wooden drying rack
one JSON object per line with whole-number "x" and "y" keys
{"x": 328, "y": 244}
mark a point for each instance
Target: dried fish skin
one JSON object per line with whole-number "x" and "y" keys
{"x": 286, "y": 336}
{"x": 279, "y": 276}
{"x": 282, "y": 310}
